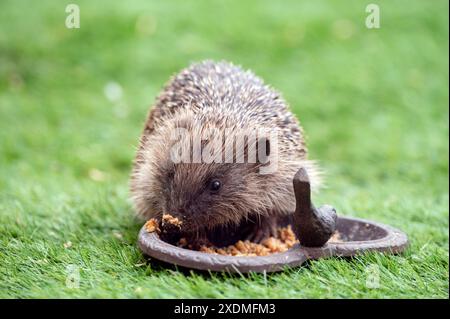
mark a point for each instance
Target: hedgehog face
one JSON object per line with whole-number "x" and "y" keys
{"x": 204, "y": 195}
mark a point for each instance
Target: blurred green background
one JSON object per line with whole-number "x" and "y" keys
{"x": 373, "y": 102}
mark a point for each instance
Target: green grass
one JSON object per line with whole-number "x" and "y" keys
{"x": 374, "y": 104}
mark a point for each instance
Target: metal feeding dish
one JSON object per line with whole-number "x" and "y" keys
{"x": 313, "y": 227}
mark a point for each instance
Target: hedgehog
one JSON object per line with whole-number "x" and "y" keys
{"x": 224, "y": 199}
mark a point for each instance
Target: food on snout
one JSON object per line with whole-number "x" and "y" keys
{"x": 168, "y": 227}
{"x": 168, "y": 219}
{"x": 152, "y": 226}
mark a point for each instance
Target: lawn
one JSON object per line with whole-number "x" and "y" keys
{"x": 373, "y": 102}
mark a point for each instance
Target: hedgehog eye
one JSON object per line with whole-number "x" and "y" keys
{"x": 215, "y": 185}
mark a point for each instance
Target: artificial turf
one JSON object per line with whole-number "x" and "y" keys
{"x": 373, "y": 103}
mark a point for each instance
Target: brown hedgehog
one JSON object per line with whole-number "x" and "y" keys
{"x": 225, "y": 199}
